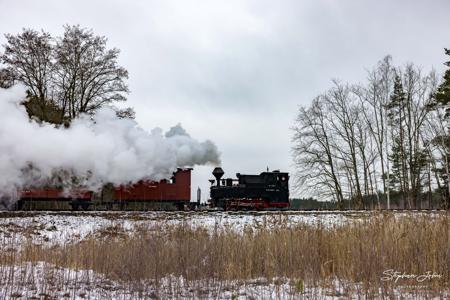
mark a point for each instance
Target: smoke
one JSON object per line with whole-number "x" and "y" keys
{"x": 93, "y": 151}
{"x": 176, "y": 130}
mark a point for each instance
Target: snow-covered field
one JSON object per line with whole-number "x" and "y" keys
{"x": 63, "y": 227}
{"x": 59, "y": 283}
{"x": 41, "y": 280}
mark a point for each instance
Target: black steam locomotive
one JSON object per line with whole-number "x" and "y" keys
{"x": 268, "y": 190}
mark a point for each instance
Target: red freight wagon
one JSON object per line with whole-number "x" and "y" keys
{"x": 144, "y": 195}
{"x": 176, "y": 192}
{"x": 53, "y": 198}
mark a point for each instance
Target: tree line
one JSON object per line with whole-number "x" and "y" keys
{"x": 385, "y": 140}
{"x": 65, "y": 76}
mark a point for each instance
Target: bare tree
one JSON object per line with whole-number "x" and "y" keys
{"x": 313, "y": 152}
{"x": 126, "y": 113}
{"x": 416, "y": 95}
{"x": 374, "y": 98}
{"x": 6, "y": 79}
{"x": 67, "y": 76}
{"x": 351, "y": 135}
{"x": 28, "y": 59}
{"x": 88, "y": 75}
{"x": 343, "y": 119}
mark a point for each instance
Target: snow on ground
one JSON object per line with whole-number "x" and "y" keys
{"x": 41, "y": 280}
{"x": 63, "y": 227}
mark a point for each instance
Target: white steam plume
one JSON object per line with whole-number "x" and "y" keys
{"x": 107, "y": 149}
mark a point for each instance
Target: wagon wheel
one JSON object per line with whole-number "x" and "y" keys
{"x": 85, "y": 206}
{"x": 20, "y": 205}
{"x": 74, "y": 206}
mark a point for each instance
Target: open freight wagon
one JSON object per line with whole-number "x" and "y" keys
{"x": 173, "y": 194}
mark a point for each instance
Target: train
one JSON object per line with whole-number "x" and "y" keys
{"x": 167, "y": 194}
{"x": 268, "y": 190}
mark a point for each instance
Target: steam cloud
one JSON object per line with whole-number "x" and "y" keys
{"x": 99, "y": 150}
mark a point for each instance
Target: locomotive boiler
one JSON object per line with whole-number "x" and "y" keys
{"x": 268, "y": 190}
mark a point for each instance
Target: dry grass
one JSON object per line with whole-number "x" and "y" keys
{"x": 352, "y": 256}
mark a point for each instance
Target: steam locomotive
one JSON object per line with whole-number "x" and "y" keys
{"x": 268, "y": 190}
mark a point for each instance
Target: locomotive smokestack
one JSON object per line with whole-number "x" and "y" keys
{"x": 218, "y": 173}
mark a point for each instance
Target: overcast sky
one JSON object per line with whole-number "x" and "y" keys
{"x": 235, "y": 72}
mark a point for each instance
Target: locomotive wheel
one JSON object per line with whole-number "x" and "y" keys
{"x": 85, "y": 206}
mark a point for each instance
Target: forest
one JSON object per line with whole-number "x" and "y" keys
{"x": 383, "y": 143}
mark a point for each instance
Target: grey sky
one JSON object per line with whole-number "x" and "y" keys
{"x": 236, "y": 71}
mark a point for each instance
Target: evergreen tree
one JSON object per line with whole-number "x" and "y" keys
{"x": 396, "y": 176}
{"x": 396, "y": 116}
{"x": 441, "y": 103}
{"x": 442, "y": 97}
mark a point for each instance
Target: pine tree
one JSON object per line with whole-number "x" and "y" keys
{"x": 442, "y": 96}
{"x": 396, "y": 115}
{"x": 396, "y": 177}
{"x": 442, "y": 103}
